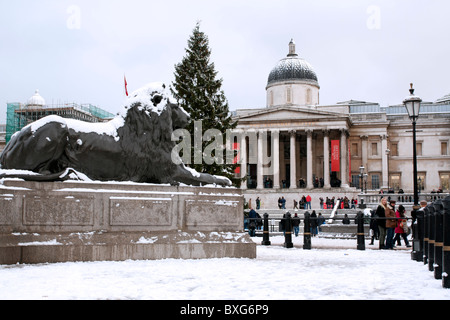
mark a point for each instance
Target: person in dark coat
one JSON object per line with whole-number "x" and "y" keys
{"x": 282, "y": 224}
{"x": 296, "y": 224}
{"x": 252, "y": 216}
{"x": 346, "y": 220}
{"x": 374, "y": 232}
{"x": 313, "y": 223}
{"x": 381, "y": 209}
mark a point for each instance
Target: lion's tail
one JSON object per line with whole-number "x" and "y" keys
{"x": 61, "y": 176}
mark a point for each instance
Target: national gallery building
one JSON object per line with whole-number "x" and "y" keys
{"x": 295, "y": 143}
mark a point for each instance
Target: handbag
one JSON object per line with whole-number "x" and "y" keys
{"x": 404, "y": 226}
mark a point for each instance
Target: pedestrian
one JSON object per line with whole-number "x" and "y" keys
{"x": 381, "y": 221}
{"x": 296, "y": 224}
{"x": 252, "y": 216}
{"x": 295, "y": 204}
{"x": 390, "y": 225}
{"x": 401, "y": 227}
{"x": 320, "y": 221}
{"x": 279, "y": 203}
{"x": 374, "y": 232}
{"x": 313, "y": 223}
{"x": 308, "y": 202}
{"x": 353, "y": 206}
{"x": 283, "y": 224}
{"x": 258, "y": 203}
{"x": 346, "y": 220}
{"x": 283, "y": 203}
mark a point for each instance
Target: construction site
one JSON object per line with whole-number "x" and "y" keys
{"x": 20, "y": 115}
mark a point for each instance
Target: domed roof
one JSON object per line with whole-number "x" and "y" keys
{"x": 292, "y": 68}
{"x": 36, "y": 100}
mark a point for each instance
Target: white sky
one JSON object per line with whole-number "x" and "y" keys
{"x": 79, "y": 51}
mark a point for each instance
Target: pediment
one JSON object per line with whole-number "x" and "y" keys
{"x": 290, "y": 113}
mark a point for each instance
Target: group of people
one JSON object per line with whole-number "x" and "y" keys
{"x": 345, "y": 202}
{"x": 315, "y": 223}
{"x": 305, "y": 202}
{"x": 388, "y": 226}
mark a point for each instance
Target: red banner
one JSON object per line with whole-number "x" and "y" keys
{"x": 335, "y": 156}
{"x": 237, "y": 147}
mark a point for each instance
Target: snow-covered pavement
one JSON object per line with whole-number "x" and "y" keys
{"x": 336, "y": 273}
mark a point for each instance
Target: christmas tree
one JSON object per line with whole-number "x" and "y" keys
{"x": 199, "y": 92}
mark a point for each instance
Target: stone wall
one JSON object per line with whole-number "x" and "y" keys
{"x": 78, "y": 221}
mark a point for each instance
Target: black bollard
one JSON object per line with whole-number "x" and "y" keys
{"x": 307, "y": 233}
{"x": 431, "y": 238}
{"x": 446, "y": 244}
{"x": 266, "y": 235}
{"x": 426, "y": 234}
{"x": 288, "y": 233}
{"x": 420, "y": 234}
{"x": 438, "y": 239}
{"x": 360, "y": 231}
{"x": 417, "y": 234}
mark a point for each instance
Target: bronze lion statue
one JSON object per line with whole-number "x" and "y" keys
{"x": 135, "y": 146}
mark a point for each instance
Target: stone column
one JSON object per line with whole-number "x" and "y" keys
{"x": 243, "y": 159}
{"x": 344, "y": 159}
{"x": 293, "y": 134}
{"x": 326, "y": 159}
{"x": 260, "y": 166}
{"x": 364, "y": 150}
{"x": 384, "y": 162}
{"x": 276, "y": 158}
{"x": 309, "y": 159}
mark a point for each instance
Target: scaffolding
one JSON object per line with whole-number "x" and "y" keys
{"x": 19, "y": 115}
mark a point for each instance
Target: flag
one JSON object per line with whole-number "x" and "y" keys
{"x": 126, "y": 84}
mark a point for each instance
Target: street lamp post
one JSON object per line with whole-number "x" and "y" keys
{"x": 361, "y": 175}
{"x": 412, "y": 105}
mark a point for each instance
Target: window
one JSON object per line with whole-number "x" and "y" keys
{"x": 374, "y": 148}
{"x": 308, "y": 96}
{"x": 421, "y": 179}
{"x": 395, "y": 180}
{"x": 288, "y": 95}
{"x": 375, "y": 181}
{"x": 356, "y": 181}
{"x": 444, "y": 148}
{"x": 445, "y": 180}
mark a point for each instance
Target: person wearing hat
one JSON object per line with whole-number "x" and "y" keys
{"x": 390, "y": 225}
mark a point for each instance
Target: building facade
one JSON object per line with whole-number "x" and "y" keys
{"x": 294, "y": 142}
{"x": 21, "y": 114}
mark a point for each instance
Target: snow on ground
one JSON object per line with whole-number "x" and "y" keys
{"x": 336, "y": 271}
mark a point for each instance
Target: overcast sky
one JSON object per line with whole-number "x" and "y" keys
{"x": 79, "y": 51}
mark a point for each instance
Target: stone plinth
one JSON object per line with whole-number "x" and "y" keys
{"x": 80, "y": 221}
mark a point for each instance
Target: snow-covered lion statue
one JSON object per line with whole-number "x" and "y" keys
{"x": 134, "y": 146}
